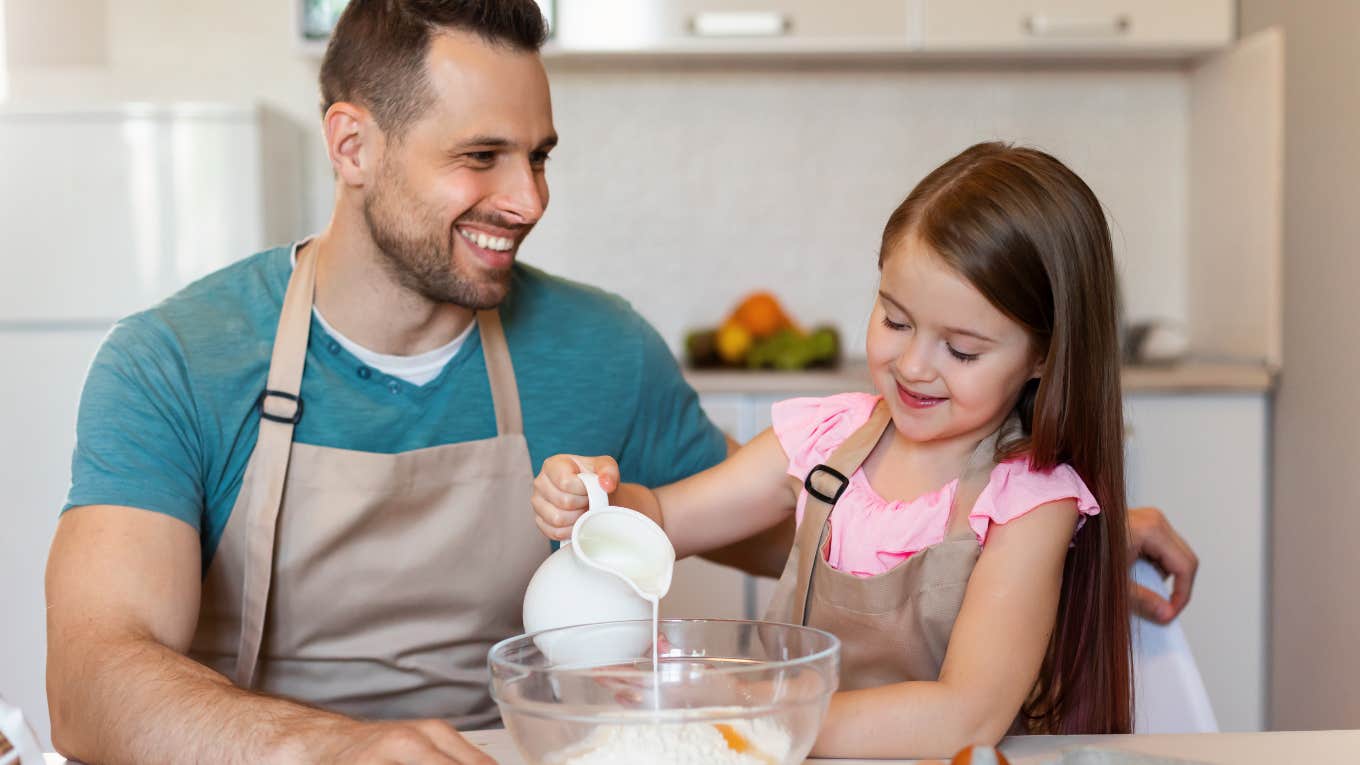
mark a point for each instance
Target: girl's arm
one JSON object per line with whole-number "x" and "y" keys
{"x": 992, "y": 662}
{"x": 745, "y": 494}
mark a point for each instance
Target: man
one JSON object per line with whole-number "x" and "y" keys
{"x": 308, "y": 475}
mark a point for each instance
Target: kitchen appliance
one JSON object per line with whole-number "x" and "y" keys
{"x": 106, "y": 211}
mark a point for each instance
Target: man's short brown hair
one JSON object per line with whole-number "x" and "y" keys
{"x": 376, "y": 56}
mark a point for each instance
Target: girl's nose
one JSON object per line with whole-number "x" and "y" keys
{"x": 915, "y": 364}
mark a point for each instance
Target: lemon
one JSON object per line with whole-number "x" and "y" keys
{"x": 733, "y": 342}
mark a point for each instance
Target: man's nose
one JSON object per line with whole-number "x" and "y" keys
{"x": 522, "y": 195}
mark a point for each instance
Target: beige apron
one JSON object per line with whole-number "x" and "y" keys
{"x": 895, "y": 626}
{"x": 379, "y": 588}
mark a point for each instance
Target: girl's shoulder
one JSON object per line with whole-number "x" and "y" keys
{"x": 1016, "y": 488}
{"x": 810, "y": 429}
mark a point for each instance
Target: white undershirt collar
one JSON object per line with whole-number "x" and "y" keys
{"x": 416, "y": 370}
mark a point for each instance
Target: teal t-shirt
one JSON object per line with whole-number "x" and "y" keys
{"x": 168, "y": 417}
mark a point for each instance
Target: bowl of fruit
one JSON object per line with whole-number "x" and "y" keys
{"x": 759, "y": 334}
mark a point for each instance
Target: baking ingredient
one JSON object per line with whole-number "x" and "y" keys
{"x": 979, "y": 755}
{"x": 730, "y": 742}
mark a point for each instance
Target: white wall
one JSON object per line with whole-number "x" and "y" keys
{"x": 685, "y": 189}
{"x": 1315, "y": 669}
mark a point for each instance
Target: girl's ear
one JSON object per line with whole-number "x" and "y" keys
{"x": 1038, "y": 370}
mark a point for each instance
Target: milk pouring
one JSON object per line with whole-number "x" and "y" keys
{"x": 616, "y": 567}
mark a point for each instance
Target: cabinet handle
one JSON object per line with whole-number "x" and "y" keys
{"x": 740, "y": 24}
{"x": 1039, "y": 25}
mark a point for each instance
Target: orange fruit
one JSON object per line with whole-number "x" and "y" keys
{"x": 761, "y": 315}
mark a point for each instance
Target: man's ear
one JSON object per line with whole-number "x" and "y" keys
{"x": 353, "y": 142}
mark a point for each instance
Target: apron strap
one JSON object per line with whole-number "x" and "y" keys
{"x": 824, "y": 491}
{"x": 825, "y": 483}
{"x": 976, "y": 473}
{"x": 500, "y": 373}
{"x": 280, "y": 410}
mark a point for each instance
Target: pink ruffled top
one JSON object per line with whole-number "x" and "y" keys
{"x": 869, "y": 534}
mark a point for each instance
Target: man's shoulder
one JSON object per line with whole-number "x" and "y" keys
{"x": 236, "y": 303}
{"x": 540, "y": 299}
{"x": 534, "y": 287}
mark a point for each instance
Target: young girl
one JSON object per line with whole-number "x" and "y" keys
{"x": 963, "y": 531}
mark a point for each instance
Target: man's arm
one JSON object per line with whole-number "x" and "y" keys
{"x": 122, "y": 604}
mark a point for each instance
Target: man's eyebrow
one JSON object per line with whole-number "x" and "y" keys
{"x": 484, "y": 142}
{"x": 497, "y": 142}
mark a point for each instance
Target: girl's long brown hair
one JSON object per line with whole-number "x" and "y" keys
{"x": 1031, "y": 237}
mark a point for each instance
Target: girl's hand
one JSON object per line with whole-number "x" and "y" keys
{"x": 560, "y": 497}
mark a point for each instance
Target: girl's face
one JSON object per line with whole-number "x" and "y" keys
{"x": 948, "y": 362}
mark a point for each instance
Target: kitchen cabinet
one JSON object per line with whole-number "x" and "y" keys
{"x": 1197, "y": 447}
{"x": 905, "y": 28}
{"x": 1074, "y": 26}
{"x": 973, "y": 29}
{"x": 700, "y": 26}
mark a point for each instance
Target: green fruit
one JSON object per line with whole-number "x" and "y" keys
{"x": 825, "y": 344}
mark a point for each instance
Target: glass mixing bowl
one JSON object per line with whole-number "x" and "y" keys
{"x": 724, "y": 693}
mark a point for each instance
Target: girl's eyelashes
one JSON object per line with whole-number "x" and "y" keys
{"x": 956, "y": 353}
{"x": 960, "y": 355}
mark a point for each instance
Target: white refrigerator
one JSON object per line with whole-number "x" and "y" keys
{"x": 103, "y": 212}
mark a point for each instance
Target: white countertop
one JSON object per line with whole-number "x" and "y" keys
{"x": 1224, "y": 748}
{"x": 1298, "y": 748}
{"x": 853, "y": 375}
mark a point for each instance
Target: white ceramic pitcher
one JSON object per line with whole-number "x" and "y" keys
{"x": 617, "y": 565}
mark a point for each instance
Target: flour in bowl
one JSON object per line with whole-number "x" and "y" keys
{"x": 734, "y": 742}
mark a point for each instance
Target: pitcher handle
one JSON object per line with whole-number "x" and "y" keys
{"x": 599, "y": 500}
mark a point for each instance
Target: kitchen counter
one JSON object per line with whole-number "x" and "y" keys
{"x": 1225, "y": 748}
{"x": 1293, "y": 748}
{"x": 853, "y": 375}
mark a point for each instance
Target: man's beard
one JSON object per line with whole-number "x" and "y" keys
{"x": 418, "y": 252}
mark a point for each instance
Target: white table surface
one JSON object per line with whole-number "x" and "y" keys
{"x": 1303, "y": 748}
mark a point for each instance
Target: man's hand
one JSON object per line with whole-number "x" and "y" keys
{"x": 412, "y": 742}
{"x": 1151, "y": 537}
{"x": 123, "y": 589}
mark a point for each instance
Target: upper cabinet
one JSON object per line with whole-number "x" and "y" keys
{"x": 730, "y": 26}
{"x": 971, "y": 29}
{"x": 925, "y": 28}
{"x": 1141, "y": 27}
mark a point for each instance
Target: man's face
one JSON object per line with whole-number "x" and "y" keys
{"x": 457, "y": 192}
